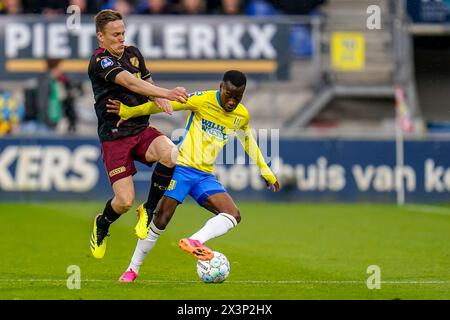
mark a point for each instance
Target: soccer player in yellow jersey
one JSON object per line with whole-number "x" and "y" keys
{"x": 213, "y": 117}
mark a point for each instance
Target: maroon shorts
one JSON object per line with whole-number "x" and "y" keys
{"x": 119, "y": 155}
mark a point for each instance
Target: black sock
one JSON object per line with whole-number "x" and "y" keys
{"x": 108, "y": 216}
{"x": 160, "y": 181}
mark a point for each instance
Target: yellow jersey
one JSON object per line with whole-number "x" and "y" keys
{"x": 208, "y": 127}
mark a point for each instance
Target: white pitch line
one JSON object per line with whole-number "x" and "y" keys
{"x": 243, "y": 281}
{"x": 428, "y": 209}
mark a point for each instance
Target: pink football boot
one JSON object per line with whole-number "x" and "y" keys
{"x": 128, "y": 276}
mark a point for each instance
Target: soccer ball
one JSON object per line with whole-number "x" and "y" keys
{"x": 215, "y": 270}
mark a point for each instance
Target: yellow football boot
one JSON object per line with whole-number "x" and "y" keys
{"x": 98, "y": 240}
{"x": 143, "y": 225}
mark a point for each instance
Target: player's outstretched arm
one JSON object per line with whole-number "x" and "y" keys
{"x": 127, "y": 80}
{"x": 125, "y": 112}
{"x": 161, "y": 102}
{"x": 247, "y": 140}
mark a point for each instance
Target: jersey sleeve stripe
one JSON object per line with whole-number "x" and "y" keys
{"x": 188, "y": 126}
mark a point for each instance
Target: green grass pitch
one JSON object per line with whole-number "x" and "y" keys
{"x": 279, "y": 251}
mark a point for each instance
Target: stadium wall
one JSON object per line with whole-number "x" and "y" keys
{"x": 193, "y": 46}
{"x": 309, "y": 169}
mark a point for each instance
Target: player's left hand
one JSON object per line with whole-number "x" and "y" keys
{"x": 275, "y": 187}
{"x": 164, "y": 105}
{"x": 114, "y": 107}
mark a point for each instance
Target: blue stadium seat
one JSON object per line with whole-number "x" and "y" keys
{"x": 260, "y": 8}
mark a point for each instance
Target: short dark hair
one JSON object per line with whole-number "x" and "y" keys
{"x": 237, "y": 78}
{"x": 104, "y": 17}
{"x": 53, "y": 63}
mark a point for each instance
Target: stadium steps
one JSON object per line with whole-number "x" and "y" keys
{"x": 349, "y": 6}
{"x": 373, "y": 83}
{"x": 351, "y": 16}
{"x": 268, "y": 110}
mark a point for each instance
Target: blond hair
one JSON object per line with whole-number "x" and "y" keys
{"x": 104, "y": 17}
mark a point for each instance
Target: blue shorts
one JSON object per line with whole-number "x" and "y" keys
{"x": 198, "y": 184}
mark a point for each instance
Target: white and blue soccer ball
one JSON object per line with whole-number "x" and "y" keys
{"x": 215, "y": 270}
